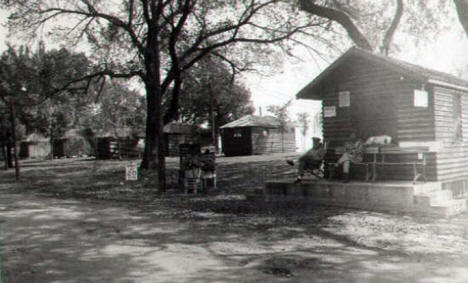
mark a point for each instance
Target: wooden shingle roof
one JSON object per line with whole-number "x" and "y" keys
{"x": 254, "y": 121}
{"x": 179, "y": 128}
{"x": 424, "y": 75}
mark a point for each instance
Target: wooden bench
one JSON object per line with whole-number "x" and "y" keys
{"x": 420, "y": 162}
{"x": 379, "y": 159}
{"x": 368, "y": 165}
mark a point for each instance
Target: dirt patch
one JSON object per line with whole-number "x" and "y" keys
{"x": 74, "y": 221}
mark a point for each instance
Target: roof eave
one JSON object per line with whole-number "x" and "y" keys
{"x": 308, "y": 91}
{"x": 446, "y": 84}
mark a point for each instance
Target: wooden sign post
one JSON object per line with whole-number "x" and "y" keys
{"x": 131, "y": 171}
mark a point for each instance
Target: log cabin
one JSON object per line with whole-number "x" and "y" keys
{"x": 255, "y": 135}
{"x": 176, "y": 134}
{"x": 35, "y": 146}
{"x": 424, "y": 111}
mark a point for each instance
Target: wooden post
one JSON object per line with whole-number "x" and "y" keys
{"x": 5, "y": 156}
{"x": 212, "y": 118}
{"x": 13, "y": 134}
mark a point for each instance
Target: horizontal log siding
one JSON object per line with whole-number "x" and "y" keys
{"x": 274, "y": 141}
{"x": 452, "y": 160}
{"x": 444, "y": 114}
{"x": 383, "y": 102}
{"x": 368, "y": 96}
{"x": 414, "y": 123}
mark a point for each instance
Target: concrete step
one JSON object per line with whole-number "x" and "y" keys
{"x": 452, "y": 207}
{"x": 433, "y": 198}
{"x": 428, "y": 187}
{"x": 430, "y": 199}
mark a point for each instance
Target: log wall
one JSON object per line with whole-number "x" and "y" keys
{"x": 266, "y": 141}
{"x": 381, "y": 103}
{"x": 452, "y": 160}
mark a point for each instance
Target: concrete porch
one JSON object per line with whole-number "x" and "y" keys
{"x": 390, "y": 196}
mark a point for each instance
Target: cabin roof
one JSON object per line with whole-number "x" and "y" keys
{"x": 179, "y": 128}
{"x": 253, "y": 121}
{"x": 118, "y": 132}
{"x": 36, "y": 137}
{"x": 424, "y": 75}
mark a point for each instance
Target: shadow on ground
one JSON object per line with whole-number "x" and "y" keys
{"x": 219, "y": 238}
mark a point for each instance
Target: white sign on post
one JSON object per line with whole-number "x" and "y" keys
{"x": 131, "y": 172}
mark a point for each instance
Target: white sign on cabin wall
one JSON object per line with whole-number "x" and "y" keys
{"x": 329, "y": 111}
{"x": 344, "y": 98}
{"x": 131, "y": 172}
{"x": 421, "y": 98}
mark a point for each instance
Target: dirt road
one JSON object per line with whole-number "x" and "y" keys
{"x": 55, "y": 240}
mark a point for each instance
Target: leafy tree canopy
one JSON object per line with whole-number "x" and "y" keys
{"x": 209, "y": 86}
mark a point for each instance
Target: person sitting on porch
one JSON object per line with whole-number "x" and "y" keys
{"x": 311, "y": 160}
{"x": 353, "y": 154}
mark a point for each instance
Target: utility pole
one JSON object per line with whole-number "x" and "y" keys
{"x": 212, "y": 118}
{"x": 13, "y": 134}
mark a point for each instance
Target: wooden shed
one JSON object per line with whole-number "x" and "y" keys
{"x": 118, "y": 143}
{"x": 252, "y": 135}
{"x": 176, "y": 134}
{"x": 73, "y": 143}
{"x": 35, "y": 146}
{"x": 424, "y": 111}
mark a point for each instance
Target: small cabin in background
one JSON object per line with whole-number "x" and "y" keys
{"x": 422, "y": 110}
{"x": 252, "y": 135}
{"x": 35, "y": 146}
{"x": 176, "y": 134}
{"x": 118, "y": 143}
{"x": 75, "y": 142}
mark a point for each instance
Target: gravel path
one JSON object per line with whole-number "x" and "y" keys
{"x": 54, "y": 240}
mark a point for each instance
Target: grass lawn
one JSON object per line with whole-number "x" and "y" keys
{"x": 217, "y": 238}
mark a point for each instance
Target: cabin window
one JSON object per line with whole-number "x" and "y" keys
{"x": 457, "y": 118}
{"x": 237, "y": 134}
{"x": 344, "y": 98}
{"x": 421, "y": 98}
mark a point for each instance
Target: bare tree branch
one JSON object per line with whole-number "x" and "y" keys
{"x": 384, "y": 49}
{"x": 462, "y": 11}
{"x": 340, "y": 17}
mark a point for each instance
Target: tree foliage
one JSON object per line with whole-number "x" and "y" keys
{"x": 208, "y": 87}
{"x": 36, "y": 83}
{"x": 158, "y": 40}
{"x": 118, "y": 107}
{"x": 281, "y": 112}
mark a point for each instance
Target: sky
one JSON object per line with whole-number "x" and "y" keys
{"x": 448, "y": 53}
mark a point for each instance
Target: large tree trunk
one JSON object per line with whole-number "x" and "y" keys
{"x": 154, "y": 153}
{"x": 149, "y": 153}
{"x": 385, "y": 48}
